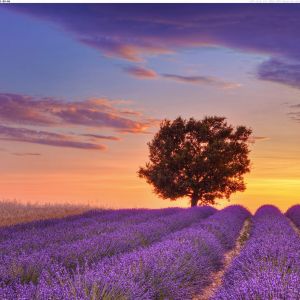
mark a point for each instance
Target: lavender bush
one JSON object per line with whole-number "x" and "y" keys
{"x": 22, "y": 261}
{"x": 294, "y": 214}
{"x": 71, "y": 226}
{"x": 147, "y": 254}
{"x": 175, "y": 268}
{"x": 268, "y": 267}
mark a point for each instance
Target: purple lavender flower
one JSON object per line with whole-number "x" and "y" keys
{"x": 88, "y": 240}
{"x": 268, "y": 267}
{"x": 294, "y": 214}
{"x": 175, "y": 268}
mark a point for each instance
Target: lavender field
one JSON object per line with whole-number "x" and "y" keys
{"x": 174, "y": 253}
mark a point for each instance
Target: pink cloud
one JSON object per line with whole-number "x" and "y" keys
{"x": 90, "y": 114}
{"x": 95, "y": 113}
{"x": 141, "y": 73}
{"x": 45, "y": 138}
{"x": 146, "y": 73}
{"x": 101, "y": 137}
{"x": 202, "y": 80}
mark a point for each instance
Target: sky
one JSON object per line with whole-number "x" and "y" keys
{"x": 84, "y": 86}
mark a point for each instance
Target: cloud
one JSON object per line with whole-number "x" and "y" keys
{"x": 131, "y": 31}
{"x": 295, "y": 116}
{"x": 102, "y": 137}
{"x": 258, "y": 138}
{"x": 26, "y": 154}
{"x": 295, "y": 113}
{"x": 115, "y": 48}
{"x": 95, "y": 113}
{"x": 142, "y": 73}
{"x": 294, "y": 105}
{"x": 134, "y": 31}
{"x": 18, "y": 112}
{"x": 280, "y": 71}
{"x": 201, "y": 80}
{"x": 145, "y": 73}
{"x": 261, "y": 138}
{"x": 23, "y": 109}
{"x": 45, "y": 138}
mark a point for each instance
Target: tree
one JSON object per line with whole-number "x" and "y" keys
{"x": 203, "y": 160}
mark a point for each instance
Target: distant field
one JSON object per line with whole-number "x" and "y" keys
{"x": 174, "y": 253}
{"x": 12, "y": 212}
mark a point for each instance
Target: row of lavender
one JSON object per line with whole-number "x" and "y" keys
{"x": 178, "y": 267}
{"x": 294, "y": 214}
{"x": 28, "y": 244}
{"x": 268, "y": 266}
{"x": 31, "y": 238}
{"x": 22, "y": 259}
{"x": 54, "y": 230}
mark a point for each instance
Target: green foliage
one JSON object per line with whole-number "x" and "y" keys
{"x": 203, "y": 160}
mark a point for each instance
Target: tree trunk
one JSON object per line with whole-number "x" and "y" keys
{"x": 194, "y": 200}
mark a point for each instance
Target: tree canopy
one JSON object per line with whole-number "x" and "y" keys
{"x": 201, "y": 159}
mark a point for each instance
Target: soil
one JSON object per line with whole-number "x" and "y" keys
{"x": 216, "y": 277}
{"x": 294, "y": 227}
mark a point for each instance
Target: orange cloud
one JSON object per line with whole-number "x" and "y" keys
{"x": 258, "y": 138}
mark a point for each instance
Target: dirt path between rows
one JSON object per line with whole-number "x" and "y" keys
{"x": 294, "y": 226}
{"x": 216, "y": 277}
